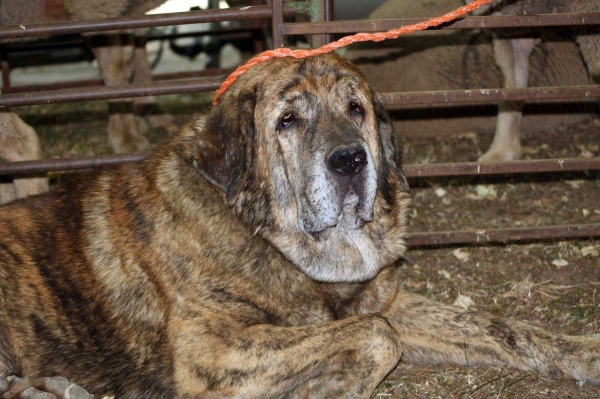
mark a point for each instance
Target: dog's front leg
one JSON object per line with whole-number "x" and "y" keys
{"x": 432, "y": 332}
{"x": 267, "y": 361}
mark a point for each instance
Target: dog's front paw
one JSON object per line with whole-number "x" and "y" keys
{"x": 41, "y": 388}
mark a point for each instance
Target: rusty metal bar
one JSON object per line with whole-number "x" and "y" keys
{"x": 424, "y": 97}
{"x": 98, "y": 82}
{"x": 257, "y": 12}
{"x": 329, "y": 9}
{"x": 428, "y": 170}
{"x": 148, "y": 21}
{"x": 488, "y": 22}
{"x": 63, "y": 164}
{"x": 105, "y": 92}
{"x": 492, "y": 95}
{"x": 436, "y": 238}
{"x": 498, "y": 168}
{"x": 277, "y": 23}
{"x": 317, "y": 14}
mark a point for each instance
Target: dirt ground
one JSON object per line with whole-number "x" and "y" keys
{"x": 554, "y": 284}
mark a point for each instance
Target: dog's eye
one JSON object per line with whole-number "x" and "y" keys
{"x": 287, "y": 119}
{"x": 354, "y": 107}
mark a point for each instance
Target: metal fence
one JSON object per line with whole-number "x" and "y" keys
{"x": 321, "y": 30}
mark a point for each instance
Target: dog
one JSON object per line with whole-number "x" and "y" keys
{"x": 255, "y": 256}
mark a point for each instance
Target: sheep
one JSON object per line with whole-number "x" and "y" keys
{"x": 512, "y": 55}
{"x": 120, "y": 61}
{"x": 19, "y": 142}
{"x": 448, "y": 59}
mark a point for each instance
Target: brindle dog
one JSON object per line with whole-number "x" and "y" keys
{"x": 252, "y": 257}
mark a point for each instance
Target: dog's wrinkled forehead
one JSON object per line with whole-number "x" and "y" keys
{"x": 283, "y": 80}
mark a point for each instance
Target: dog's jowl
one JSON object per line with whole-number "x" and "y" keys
{"x": 252, "y": 257}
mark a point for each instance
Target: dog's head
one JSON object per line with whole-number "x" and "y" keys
{"x": 305, "y": 151}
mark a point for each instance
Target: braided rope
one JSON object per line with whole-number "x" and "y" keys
{"x": 345, "y": 41}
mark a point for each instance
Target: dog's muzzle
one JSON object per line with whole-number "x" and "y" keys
{"x": 347, "y": 166}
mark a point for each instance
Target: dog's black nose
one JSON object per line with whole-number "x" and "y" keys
{"x": 347, "y": 161}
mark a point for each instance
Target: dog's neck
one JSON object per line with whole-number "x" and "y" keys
{"x": 208, "y": 217}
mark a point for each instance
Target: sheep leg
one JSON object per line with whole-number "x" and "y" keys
{"x": 116, "y": 61}
{"x": 589, "y": 45}
{"x": 512, "y": 56}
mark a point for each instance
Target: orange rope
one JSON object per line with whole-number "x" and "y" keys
{"x": 345, "y": 41}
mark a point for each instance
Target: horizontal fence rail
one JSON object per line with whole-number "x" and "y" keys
{"x": 492, "y": 95}
{"x": 257, "y": 12}
{"x": 501, "y": 168}
{"x": 436, "y": 238}
{"x": 148, "y": 21}
{"x": 111, "y": 92}
{"x": 66, "y": 164}
{"x": 425, "y": 170}
{"x": 209, "y": 84}
{"x": 98, "y": 82}
{"x": 488, "y": 22}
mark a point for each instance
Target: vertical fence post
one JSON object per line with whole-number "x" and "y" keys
{"x": 317, "y": 14}
{"x": 277, "y": 23}
{"x": 329, "y": 17}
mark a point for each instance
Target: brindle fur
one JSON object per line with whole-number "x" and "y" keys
{"x": 187, "y": 275}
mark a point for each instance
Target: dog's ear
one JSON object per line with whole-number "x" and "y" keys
{"x": 387, "y": 138}
{"x": 223, "y": 152}
{"x": 386, "y": 133}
